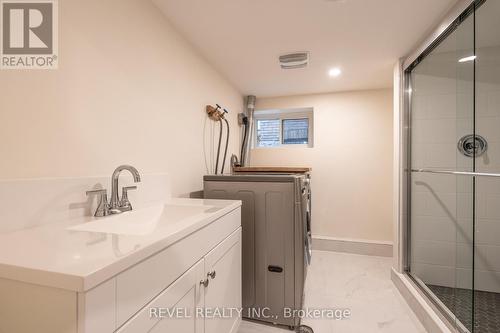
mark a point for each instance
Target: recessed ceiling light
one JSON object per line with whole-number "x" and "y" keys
{"x": 469, "y": 58}
{"x": 334, "y": 72}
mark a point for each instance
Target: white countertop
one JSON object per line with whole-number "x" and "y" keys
{"x": 59, "y": 255}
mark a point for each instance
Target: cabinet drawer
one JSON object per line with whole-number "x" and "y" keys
{"x": 138, "y": 285}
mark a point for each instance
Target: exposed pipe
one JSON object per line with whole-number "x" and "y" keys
{"x": 243, "y": 144}
{"x": 245, "y": 147}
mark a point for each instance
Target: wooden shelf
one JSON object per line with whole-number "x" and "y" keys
{"x": 264, "y": 169}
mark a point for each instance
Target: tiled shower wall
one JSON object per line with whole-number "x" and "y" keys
{"x": 442, "y": 205}
{"x": 487, "y": 254}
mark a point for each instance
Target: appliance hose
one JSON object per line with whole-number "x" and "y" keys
{"x": 243, "y": 144}
{"x": 225, "y": 149}
{"x": 218, "y": 147}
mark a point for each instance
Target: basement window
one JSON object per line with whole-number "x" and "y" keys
{"x": 283, "y": 128}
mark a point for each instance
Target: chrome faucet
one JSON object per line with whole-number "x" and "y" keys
{"x": 116, "y": 205}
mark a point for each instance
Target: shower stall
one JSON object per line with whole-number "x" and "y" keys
{"x": 452, "y": 185}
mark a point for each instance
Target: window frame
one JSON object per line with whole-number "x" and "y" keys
{"x": 285, "y": 114}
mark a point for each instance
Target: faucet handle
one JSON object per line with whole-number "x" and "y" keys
{"x": 125, "y": 204}
{"x": 101, "y": 191}
{"x": 103, "y": 206}
{"x": 127, "y": 188}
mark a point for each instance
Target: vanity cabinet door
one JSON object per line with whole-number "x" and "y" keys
{"x": 223, "y": 293}
{"x": 173, "y": 310}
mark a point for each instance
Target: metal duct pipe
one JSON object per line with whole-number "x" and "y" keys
{"x": 250, "y": 108}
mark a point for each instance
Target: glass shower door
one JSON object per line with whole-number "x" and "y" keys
{"x": 454, "y": 156}
{"x": 441, "y": 229}
{"x": 487, "y": 190}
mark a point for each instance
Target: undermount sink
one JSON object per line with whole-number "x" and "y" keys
{"x": 143, "y": 221}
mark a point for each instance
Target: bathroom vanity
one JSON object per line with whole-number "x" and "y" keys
{"x": 127, "y": 273}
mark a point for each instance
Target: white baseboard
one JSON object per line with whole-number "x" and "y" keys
{"x": 355, "y": 246}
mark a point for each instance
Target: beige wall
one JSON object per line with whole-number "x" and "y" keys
{"x": 128, "y": 89}
{"x": 351, "y": 161}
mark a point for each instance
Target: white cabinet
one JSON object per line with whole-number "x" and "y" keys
{"x": 141, "y": 298}
{"x": 139, "y": 284}
{"x": 171, "y": 278}
{"x": 205, "y": 299}
{"x": 223, "y": 293}
{"x": 174, "y": 310}
{"x": 188, "y": 324}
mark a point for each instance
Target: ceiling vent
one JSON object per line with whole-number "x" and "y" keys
{"x": 294, "y": 60}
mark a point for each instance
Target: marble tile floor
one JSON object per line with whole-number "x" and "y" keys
{"x": 361, "y": 284}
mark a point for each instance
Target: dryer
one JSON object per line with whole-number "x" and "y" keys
{"x": 276, "y": 223}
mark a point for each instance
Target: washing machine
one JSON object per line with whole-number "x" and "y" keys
{"x": 276, "y": 223}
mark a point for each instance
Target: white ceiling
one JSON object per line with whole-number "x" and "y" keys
{"x": 243, "y": 39}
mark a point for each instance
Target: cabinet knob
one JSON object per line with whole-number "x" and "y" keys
{"x": 205, "y": 282}
{"x": 212, "y": 274}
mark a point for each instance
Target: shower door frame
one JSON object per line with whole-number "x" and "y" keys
{"x": 460, "y": 11}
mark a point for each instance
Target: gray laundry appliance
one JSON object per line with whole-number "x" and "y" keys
{"x": 276, "y": 222}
